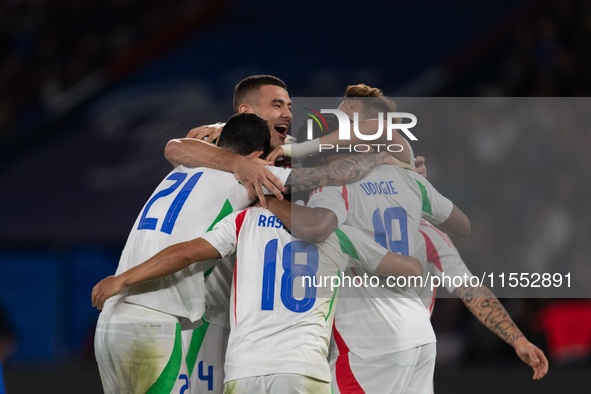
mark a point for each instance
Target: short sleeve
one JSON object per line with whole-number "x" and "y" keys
{"x": 363, "y": 252}
{"x": 223, "y": 235}
{"x": 331, "y": 197}
{"x": 443, "y": 254}
{"x": 436, "y": 208}
{"x": 281, "y": 173}
{"x": 454, "y": 266}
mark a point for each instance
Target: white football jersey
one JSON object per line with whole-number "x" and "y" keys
{"x": 280, "y": 322}
{"x": 387, "y": 205}
{"x": 437, "y": 254}
{"x": 187, "y": 203}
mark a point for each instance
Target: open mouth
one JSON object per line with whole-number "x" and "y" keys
{"x": 281, "y": 129}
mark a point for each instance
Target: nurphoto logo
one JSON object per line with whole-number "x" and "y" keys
{"x": 345, "y": 130}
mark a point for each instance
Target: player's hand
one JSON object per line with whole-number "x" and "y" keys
{"x": 532, "y": 356}
{"x": 275, "y": 153}
{"x": 420, "y": 167}
{"x": 391, "y": 160}
{"x": 105, "y": 289}
{"x": 209, "y": 133}
{"x": 251, "y": 172}
{"x": 270, "y": 200}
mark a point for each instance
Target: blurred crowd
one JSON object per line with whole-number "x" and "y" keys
{"x": 48, "y": 47}
{"x": 550, "y": 55}
{"x": 524, "y": 180}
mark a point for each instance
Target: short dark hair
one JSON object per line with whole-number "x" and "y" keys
{"x": 245, "y": 90}
{"x": 244, "y": 134}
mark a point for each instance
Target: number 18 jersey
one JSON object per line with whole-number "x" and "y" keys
{"x": 279, "y": 322}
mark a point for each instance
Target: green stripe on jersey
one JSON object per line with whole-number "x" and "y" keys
{"x": 226, "y": 210}
{"x": 195, "y": 346}
{"x": 346, "y": 244}
{"x": 209, "y": 271}
{"x": 334, "y": 294}
{"x": 167, "y": 378}
{"x": 426, "y": 203}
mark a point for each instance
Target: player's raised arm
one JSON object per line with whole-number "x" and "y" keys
{"x": 209, "y": 133}
{"x": 370, "y": 127}
{"x": 310, "y": 148}
{"x": 440, "y": 211}
{"x": 249, "y": 170}
{"x": 457, "y": 224}
{"x": 483, "y": 304}
{"x": 308, "y": 224}
{"x": 168, "y": 261}
{"x": 394, "y": 264}
{"x": 347, "y": 169}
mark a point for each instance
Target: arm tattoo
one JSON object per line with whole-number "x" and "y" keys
{"x": 488, "y": 309}
{"x": 340, "y": 172}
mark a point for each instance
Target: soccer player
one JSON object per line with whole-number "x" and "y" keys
{"x": 138, "y": 341}
{"x": 267, "y": 97}
{"x": 385, "y": 340}
{"x": 279, "y": 338}
{"x": 368, "y": 123}
{"x": 262, "y": 95}
{"x": 438, "y": 255}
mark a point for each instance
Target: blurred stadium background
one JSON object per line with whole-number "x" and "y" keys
{"x": 90, "y": 92}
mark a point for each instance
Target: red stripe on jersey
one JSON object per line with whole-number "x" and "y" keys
{"x": 357, "y": 276}
{"x": 445, "y": 237}
{"x": 346, "y": 381}
{"x": 432, "y": 257}
{"x": 346, "y": 197}
{"x": 432, "y": 254}
{"x": 239, "y": 221}
{"x": 235, "y": 290}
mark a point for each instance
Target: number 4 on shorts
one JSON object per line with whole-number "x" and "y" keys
{"x": 208, "y": 377}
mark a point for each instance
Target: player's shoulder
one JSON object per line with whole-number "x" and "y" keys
{"x": 391, "y": 171}
{"x": 434, "y": 236}
{"x": 261, "y": 217}
{"x": 350, "y": 238}
{"x": 223, "y": 175}
{"x": 409, "y": 174}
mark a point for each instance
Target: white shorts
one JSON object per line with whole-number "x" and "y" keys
{"x": 205, "y": 350}
{"x": 278, "y": 384}
{"x": 139, "y": 350}
{"x": 406, "y": 372}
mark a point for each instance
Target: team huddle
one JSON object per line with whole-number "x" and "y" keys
{"x": 210, "y": 294}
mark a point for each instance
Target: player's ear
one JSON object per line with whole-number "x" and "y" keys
{"x": 255, "y": 154}
{"x": 244, "y": 109}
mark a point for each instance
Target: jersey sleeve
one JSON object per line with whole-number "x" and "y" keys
{"x": 436, "y": 208}
{"x": 331, "y": 197}
{"x": 223, "y": 235}
{"x": 281, "y": 174}
{"x": 443, "y": 254}
{"x": 362, "y": 251}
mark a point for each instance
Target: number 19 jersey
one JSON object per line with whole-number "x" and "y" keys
{"x": 279, "y": 322}
{"x": 387, "y": 205}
